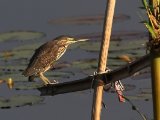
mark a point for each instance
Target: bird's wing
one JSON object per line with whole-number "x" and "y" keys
{"x": 43, "y": 58}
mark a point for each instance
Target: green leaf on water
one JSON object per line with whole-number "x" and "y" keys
{"x": 83, "y": 20}
{"x": 28, "y": 47}
{"x": 85, "y": 64}
{"x": 129, "y": 45}
{"x": 20, "y": 100}
{"x": 144, "y": 94}
{"x": 122, "y": 45}
{"x": 91, "y": 46}
{"x": 20, "y": 35}
{"x": 116, "y": 62}
{"x": 16, "y": 76}
{"x": 58, "y": 74}
{"x": 76, "y": 45}
{"x": 28, "y": 86}
{"x": 140, "y": 97}
{"x": 23, "y": 51}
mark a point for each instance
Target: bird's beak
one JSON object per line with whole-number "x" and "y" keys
{"x": 82, "y": 40}
{"x": 73, "y": 40}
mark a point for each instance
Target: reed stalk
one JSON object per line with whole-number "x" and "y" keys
{"x": 153, "y": 46}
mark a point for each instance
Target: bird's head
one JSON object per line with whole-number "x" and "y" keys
{"x": 69, "y": 40}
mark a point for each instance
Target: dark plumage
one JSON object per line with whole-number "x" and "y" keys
{"x": 46, "y": 55}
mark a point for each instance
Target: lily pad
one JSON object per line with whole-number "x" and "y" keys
{"x": 117, "y": 36}
{"x": 51, "y": 75}
{"x": 86, "y": 19}
{"x": 116, "y": 62}
{"x": 13, "y": 66}
{"x": 76, "y": 45}
{"x": 85, "y": 64}
{"x": 93, "y": 63}
{"x": 144, "y": 94}
{"x": 21, "y": 54}
{"x": 145, "y": 97}
{"x": 20, "y": 35}
{"x": 20, "y": 100}
{"x": 122, "y": 45}
{"x": 28, "y": 86}
{"x": 59, "y": 74}
{"x": 17, "y": 77}
{"x": 17, "y": 55}
{"x": 26, "y": 47}
{"x": 133, "y": 54}
{"x": 91, "y": 46}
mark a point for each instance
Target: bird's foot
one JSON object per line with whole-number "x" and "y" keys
{"x": 52, "y": 82}
{"x": 55, "y": 81}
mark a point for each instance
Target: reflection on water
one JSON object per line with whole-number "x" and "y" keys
{"x": 34, "y": 16}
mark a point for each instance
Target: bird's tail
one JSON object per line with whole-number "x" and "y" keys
{"x": 31, "y": 78}
{"x": 27, "y": 72}
{"x": 24, "y": 73}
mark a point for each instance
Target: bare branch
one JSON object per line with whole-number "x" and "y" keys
{"x": 86, "y": 83}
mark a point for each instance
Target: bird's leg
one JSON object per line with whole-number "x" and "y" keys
{"x": 44, "y": 79}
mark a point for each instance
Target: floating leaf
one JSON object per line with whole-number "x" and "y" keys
{"x": 125, "y": 58}
{"x": 20, "y": 100}
{"x": 146, "y": 91}
{"x": 10, "y": 83}
{"x": 122, "y": 45}
{"x": 59, "y": 74}
{"x": 144, "y": 94}
{"x": 85, "y": 64}
{"x": 93, "y": 63}
{"x": 140, "y": 97}
{"x": 61, "y": 65}
{"x": 117, "y": 36}
{"x": 11, "y": 68}
{"x": 77, "y": 45}
{"x": 20, "y": 35}
{"x": 86, "y": 19}
{"x": 26, "y": 47}
{"x": 16, "y": 76}
{"x": 116, "y": 62}
{"x": 22, "y": 54}
{"x": 28, "y": 86}
{"x": 130, "y": 44}
{"x": 91, "y": 46}
{"x": 6, "y": 54}
{"x": 2, "y": 81}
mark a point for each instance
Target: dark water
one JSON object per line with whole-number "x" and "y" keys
{"x": 34, "y": 15}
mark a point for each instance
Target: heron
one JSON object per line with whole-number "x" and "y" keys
{"x": 45, "y": 57}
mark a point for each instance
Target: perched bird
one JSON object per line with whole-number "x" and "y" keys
{"x": 46, "y": 55}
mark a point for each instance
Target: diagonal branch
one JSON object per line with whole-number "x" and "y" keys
{"x": 86, "y": 83}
